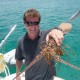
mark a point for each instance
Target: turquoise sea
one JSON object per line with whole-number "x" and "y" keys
{"x": 53, "y": 12}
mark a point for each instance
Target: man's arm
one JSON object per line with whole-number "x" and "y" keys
{"x": 18, "y": 66}
{"x": 58, "y": 34}
{"x": 65, "y": 27}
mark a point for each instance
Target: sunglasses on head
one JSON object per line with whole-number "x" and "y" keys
{"x": 32, "y": 23}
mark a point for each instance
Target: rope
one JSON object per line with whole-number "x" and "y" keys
{"x": 3, "y": 66}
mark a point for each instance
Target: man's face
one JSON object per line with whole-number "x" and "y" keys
{"x": 32, "y": 25}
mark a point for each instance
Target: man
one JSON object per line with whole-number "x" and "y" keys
{"x": 28, "y": 46}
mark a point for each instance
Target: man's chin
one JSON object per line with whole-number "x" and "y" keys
{"x": 33, "y": 32}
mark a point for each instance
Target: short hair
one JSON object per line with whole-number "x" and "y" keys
{"x": 31, "y": 13}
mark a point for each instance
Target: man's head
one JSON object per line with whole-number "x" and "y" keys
{"x": 31, "y": 20}
{"x": 31, "y": 13}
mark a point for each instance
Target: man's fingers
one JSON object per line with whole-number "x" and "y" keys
{"x": 56, "y": 35}
{"x": 58, "y": 39}
{"x": 47, "y": 38}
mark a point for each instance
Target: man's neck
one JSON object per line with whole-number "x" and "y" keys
{"x": 32, "y": 36}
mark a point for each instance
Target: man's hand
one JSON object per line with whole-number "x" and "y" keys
{"x": 57, "y": 35}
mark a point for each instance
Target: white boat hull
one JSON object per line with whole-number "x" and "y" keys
{"x": 9, "y": 57}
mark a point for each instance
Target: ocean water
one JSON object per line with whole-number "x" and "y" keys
{"x": 53, "y": 12}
